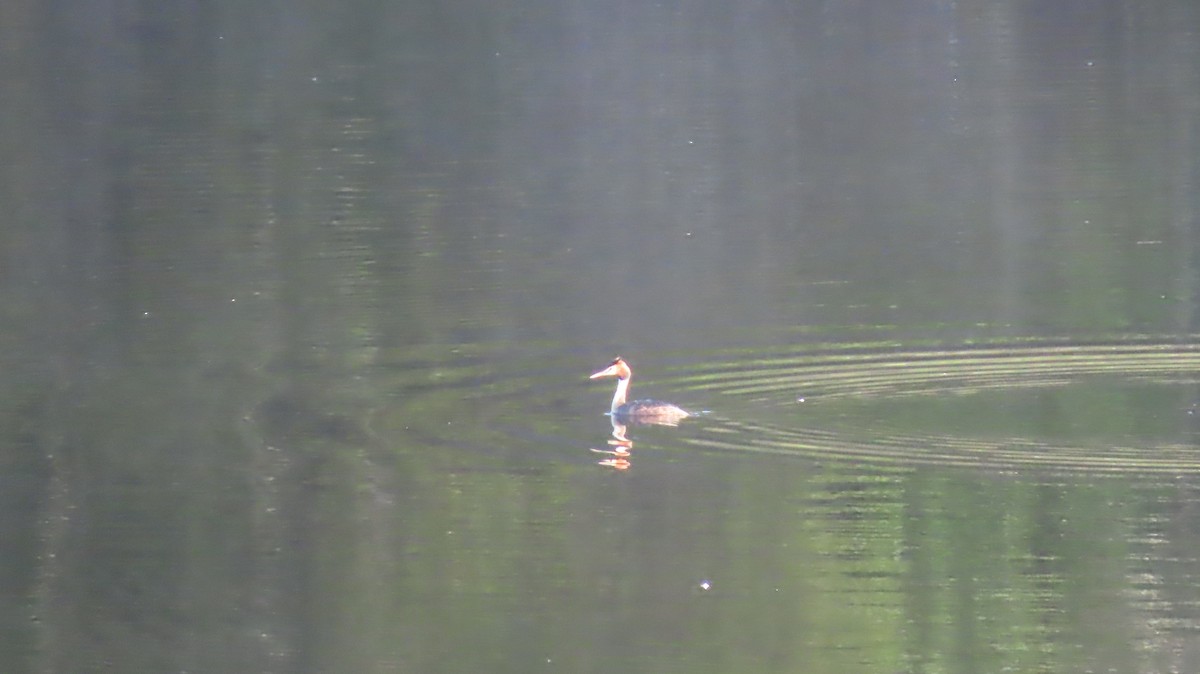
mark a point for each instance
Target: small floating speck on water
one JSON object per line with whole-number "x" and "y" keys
{"x": 705, "y": 585}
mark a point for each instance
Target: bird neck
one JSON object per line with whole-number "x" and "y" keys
{"x": 619, "y": 396}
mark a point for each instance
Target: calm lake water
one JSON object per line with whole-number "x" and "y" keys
{"x": 298, "y": 306}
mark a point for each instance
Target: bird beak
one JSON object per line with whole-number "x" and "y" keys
{"x": 610, "y": 371}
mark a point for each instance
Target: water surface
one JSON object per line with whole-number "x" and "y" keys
{"x": 298, "y": 307}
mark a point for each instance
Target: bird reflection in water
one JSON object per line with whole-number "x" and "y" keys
{"x": 621, "y": 445}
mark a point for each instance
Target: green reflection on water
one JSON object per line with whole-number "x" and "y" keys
{"x": 1094, "y": 409}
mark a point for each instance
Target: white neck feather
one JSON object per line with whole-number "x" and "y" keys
{"x": 619, "y": 397}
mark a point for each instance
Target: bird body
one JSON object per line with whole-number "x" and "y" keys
{"x": 646, "y": 411}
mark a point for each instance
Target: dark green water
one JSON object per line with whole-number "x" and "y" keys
{"x": 298, "y": 305}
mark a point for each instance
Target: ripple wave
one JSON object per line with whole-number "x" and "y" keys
{"x": 882, "y": 374}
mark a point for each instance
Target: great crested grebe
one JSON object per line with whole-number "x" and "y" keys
{"x": 645, "y": 411}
